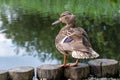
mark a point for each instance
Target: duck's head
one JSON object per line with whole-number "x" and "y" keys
{"x": 66, "y": 17}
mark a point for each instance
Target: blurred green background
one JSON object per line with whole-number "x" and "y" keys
{"x": 28, "y": 24}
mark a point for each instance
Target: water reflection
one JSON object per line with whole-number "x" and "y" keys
{"x": 33, "y": 34}
{"x": 15, "y": 61}
{"x": 9, "y": 59}
{"x": 20, "y": 41}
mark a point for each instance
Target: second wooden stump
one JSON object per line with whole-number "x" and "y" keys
{"x": 104, "y": 68}
{"x": 50, "y": 72}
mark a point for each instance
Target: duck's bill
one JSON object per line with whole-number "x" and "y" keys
{"x": 56, "y": 22}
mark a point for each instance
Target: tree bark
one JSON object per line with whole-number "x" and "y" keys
{"x": 3, "y": 75}
{"x": 77, "y": 73}
{"x": 21, "y": 73}
{"x": 104, "y": 68}
{"x": 50, "y": 72}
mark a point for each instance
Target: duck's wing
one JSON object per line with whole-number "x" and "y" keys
{"x": 84, "y": 35}
{"x": 78, "y": 43}
{"x": 77, "y": 39}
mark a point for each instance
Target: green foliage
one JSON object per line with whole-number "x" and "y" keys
{"x": 90, "y": 7}
{"x": 31, "y": 27}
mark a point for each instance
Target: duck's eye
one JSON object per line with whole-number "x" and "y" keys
{"x": 62, "y": 15}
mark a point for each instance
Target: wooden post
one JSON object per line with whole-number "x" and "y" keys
{"x": 77, "y": 73}
{"x": 50, "y": 72}
{"x": 3, "y": 75}
{"x": 21, "y": 73}
{"x": 104, "y": 68}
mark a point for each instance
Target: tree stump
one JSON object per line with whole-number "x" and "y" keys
{"x": 104, "y": 68}
{"x": 77, "y": 73}
{"x": 21, "y": 73}
{"x": 50, "y": 72}
{"x": 3, "y": 75}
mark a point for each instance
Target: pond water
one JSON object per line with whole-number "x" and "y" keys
{"x": 22, "y": 44}
{"x": 12, "y": 56}
{"x": 27, "y": 37}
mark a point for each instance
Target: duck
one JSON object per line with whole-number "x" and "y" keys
{"x": 72, "y": 40}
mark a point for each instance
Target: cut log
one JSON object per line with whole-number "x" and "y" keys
{"x": 77, "y": 73}
{"x": 50, "y": 72}
{"x": 104, "y": 68}
{"x": 21, "y": 73}
{"x": 3, "y": 75}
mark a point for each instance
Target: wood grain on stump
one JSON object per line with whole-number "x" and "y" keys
{"x": 104, "y": 67}
{"x": 50, "y": 72}
{"x": 3, "y": 75}
{"x": 77, "y": 73}
{"x": 21, "y": 73}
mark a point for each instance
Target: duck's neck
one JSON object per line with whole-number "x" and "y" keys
{"x": 72, "y": 25}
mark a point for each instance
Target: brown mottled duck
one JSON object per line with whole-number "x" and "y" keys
{"x": 73, "y": 40}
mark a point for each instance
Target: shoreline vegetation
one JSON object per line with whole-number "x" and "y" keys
{"x": 100, "y": 18}
{"x": 93, "y": 8}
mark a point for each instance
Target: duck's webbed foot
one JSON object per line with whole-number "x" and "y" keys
{"x": 64, "y": 65}
{"x": 70, "y": 64}
{"x": 73, "y": 64}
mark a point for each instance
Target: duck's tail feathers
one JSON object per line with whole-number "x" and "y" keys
{"x": 83, "y": 55}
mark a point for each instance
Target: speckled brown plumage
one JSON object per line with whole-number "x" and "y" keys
{"x": 73, "y": 40}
